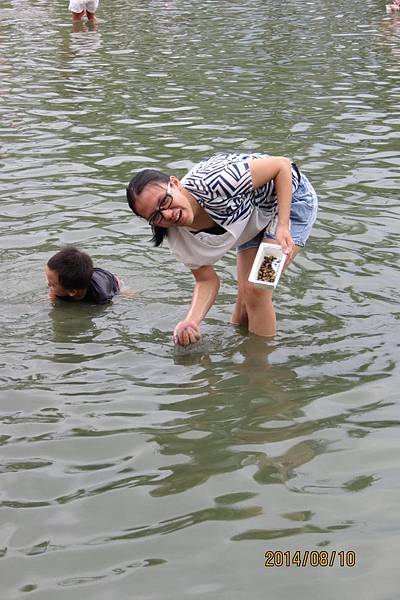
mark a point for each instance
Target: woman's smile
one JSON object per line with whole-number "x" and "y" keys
{"x": 172, "y": 215}
{"x": 177, "y": 217}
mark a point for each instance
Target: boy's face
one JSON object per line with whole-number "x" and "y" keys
{"x": 55, "y": 287}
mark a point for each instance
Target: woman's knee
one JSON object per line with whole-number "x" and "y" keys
{"x": 253, "y": 296}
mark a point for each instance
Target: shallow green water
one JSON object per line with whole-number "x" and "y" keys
{"x": 133, "y": 470}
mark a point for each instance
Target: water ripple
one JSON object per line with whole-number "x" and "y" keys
{"x": 120, "y": 451}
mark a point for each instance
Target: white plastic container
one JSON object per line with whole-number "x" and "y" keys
{"x": 277, "y": 264}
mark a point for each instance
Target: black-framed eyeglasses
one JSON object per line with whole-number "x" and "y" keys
{"x": 164, "y": 203}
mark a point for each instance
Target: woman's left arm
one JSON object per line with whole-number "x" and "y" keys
{"x": 278, "y": 169}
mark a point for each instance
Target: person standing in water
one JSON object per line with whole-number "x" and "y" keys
{"x": 81, "y": 8}
{"x": 231, "y": 200}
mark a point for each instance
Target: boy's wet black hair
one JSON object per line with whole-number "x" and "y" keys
{"x": 73, "y": 267}
{"x": 136, "y": 186}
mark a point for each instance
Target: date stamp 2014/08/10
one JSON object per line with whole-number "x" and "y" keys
{"x": 307, "y": 558}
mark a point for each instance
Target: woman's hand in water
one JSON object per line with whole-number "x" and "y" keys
{"x": 186, "y": 333}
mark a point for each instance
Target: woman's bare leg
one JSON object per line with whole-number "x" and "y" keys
{"x": 254, "y": 305}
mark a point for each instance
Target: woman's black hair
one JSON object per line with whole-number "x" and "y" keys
{"x": 159, "y": 233}
{"x": 136, "y": 186}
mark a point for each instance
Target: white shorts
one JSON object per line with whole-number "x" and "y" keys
{"x": 77, "y": 6}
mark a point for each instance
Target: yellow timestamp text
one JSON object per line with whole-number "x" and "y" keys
{"x": 310, "y": 558}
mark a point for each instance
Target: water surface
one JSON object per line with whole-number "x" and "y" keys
{"x": 128, "y": 468}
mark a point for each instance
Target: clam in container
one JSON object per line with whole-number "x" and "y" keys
{"x": 278, "y": 261}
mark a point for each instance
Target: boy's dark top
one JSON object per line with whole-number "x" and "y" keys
{"x": 102, "y": 287}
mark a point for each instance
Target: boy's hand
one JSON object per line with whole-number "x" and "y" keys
{"x": 129, "y": 294}
{"x": 51, "y": 295}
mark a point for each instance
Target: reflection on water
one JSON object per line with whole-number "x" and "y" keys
{"x": 75, "y": 323}
{"x": 121, "y": 452}
{"x": 81, "y": 45}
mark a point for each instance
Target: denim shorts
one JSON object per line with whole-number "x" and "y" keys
{"x": 303, "y": 213}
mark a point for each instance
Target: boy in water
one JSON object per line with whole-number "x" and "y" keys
{"x": 71, "y": 276}
{"x": 80, "y": 8}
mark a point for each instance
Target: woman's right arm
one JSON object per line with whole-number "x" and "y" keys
{"x": 204, "y": 293}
